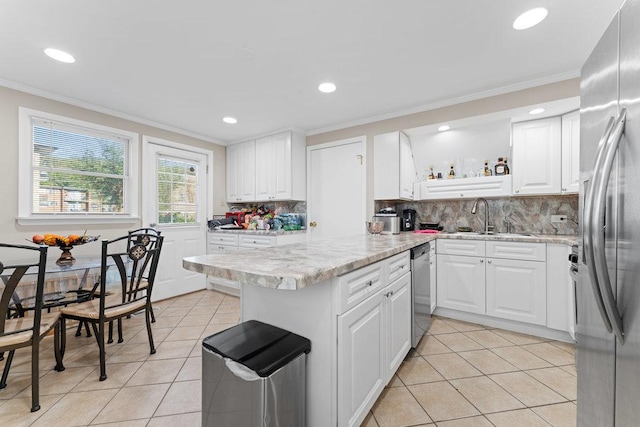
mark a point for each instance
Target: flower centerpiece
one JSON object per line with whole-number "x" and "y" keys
{"x": 64, "y": 243}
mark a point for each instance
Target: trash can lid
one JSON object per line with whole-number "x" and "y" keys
{"x": 260, "y": 347}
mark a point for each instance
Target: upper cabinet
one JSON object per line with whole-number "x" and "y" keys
{"x": 571, "y": 152}
{"x": 394, "y": 170}
{"x": 546, "y": 155}
{"x": 537, "y": 157}
{"x": 241, "y": 173}
{"x": 273, "y": 166}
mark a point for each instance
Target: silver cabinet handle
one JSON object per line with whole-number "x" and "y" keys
{"x": 488, "y": 261}
{"x": 369, "y": 283}
{"x": 598, "y": 226}
{"x": 587, "y": 240}
{"x": 481, "y": 261}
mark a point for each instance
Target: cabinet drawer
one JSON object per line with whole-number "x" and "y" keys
{"x": 398, "y": 265}
{"x": 257, "y": 241}
{"x": 461, "y": 247}
{"x": 222, "y": 238}
{"x": 213, "y": 248}
{"x": 517, "y": 250}
{"x": 357, "y": 285}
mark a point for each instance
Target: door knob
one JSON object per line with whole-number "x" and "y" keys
{"x": 152, "y": 224}
{"x": 313, "y": 224}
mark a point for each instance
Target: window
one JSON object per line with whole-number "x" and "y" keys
{"x": 177, "y": 185}
{"x": 75, "y": 171}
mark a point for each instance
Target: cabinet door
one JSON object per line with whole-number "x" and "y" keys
{"x": 560, "y": 305}
{"x": 537, "y": 157}
{"x": 398, "y": 323}
{"x": 241, "y": 172}
{"x": 571, "y": 152}
{"x": 407, "y": 168}
{"x": 517, "y": 290}
{"x": 432, "y": 277}
{"x": 460, "y": 283}
{"x": 361, "y": 366}
{"x": 273, "y": 167}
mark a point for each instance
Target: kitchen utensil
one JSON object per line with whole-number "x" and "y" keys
{"x": 375, "y": 227}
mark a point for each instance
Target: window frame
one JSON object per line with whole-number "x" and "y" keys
{"x": 26, "y": 215}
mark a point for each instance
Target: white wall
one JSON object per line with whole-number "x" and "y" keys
{"x": 10, "y": 100}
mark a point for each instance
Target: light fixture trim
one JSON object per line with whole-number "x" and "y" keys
{"x": 535, "y": 111}
{"x": 530, "y": 18}
{"x": 230, "y": 120}
{"x": 327, "y": 87}
{"x": 444, "y": 128}
{"x": 59, "y": 55}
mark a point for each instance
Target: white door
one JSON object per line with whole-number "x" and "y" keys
{"x": 175, "y": 202}
{"x": 336, "y": 188}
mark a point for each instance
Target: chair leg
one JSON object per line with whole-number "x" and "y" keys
{"x": 99, "y": 332}
{"x": 86, "y": 327}
{"x": 79, "y": 330}
{"x": 120, "y": 339}
{"x": 147, "y": 312}
{"x": 57, "y": 347}
{"x": 35, "y": 375}
{"x": 110, "y": 340}
{"x": 153, "y": 316}
{"x": 5, "y": 372}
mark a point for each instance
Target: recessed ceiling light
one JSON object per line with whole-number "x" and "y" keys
{"x": 327, "y": 87}
{"x": 530, "y": 18}
{"x": 444, "y": 128}
{"x": 59, "y": 55}
{"x": 230, "y": 120}
{"x": 537, "y": 111}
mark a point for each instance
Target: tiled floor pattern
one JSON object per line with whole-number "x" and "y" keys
{"x": 460, "y": 375}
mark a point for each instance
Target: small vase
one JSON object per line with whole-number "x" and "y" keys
{"x": 66, "y": 258}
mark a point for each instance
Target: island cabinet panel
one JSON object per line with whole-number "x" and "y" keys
{"x": 461, "y": 283}
{"x": 361, "y": 365}
{"x": 360, "y": 284}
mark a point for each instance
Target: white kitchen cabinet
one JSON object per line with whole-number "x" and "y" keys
{"x": 461, "y": 283}
{"x": 241, "y": 168}
{"x": 397, "y": 323}
{"x": 280, "y": 167}
{"x": 268, "y": 169}
{"x": 394, "y": 169}
{"x": 537, "y": 157}
{"x": 374, "y": 333}
{"x": 516, "y": 290}
{"x": 361, "y": 359}
{"x": 571, "y": 152}
{"x": 560, "y": 301}
{"x": 433, "y": 260}
{"x": 463, "y": 188}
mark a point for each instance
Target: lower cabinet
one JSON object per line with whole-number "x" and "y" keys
{"x": 516, "y": 290}
{"x": 461, "y": 283}
{"x": 373, "y": 339}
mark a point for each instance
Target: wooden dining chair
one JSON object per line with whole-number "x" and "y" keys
{"x": 26, "y": 331}
{"x": 134, "y": 262}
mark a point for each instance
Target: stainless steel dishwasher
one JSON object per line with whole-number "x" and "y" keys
{"x": 420, "y": 292}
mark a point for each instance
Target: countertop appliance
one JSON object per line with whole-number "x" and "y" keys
{"x": 608, "y": 292}
{"x": 408, "y": 220}
{"x": 420, "y": 292}
{"x": 391, "y": 222}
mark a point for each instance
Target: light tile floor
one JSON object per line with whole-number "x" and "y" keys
{"x": 461, "y": 374}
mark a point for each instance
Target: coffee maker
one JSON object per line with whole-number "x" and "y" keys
{"x": 408, "y": 220}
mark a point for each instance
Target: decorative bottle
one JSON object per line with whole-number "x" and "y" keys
{"x": 487, "y": 171}
{"x": 452, "y": 173}
{"x": 506, "y": 167}
{"x": 499, "y": 168}
{"x": 431, "y": 174}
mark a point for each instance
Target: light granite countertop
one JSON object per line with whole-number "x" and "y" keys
{"x": 259, "y": 232}
{"x": 298, "y": 265}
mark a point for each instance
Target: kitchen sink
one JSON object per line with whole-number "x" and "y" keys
{"x": 490, "y": 233}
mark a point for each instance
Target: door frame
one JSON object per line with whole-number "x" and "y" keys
{"x": 147, "y": 198}
{"x": 363, "y": 143}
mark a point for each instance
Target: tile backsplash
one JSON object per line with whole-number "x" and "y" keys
{"x": 521, "y": 214}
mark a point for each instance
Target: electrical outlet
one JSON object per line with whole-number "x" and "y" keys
{"x": 558, "y": 218}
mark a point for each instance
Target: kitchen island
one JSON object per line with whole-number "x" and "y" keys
{"x": 336, "y": 293}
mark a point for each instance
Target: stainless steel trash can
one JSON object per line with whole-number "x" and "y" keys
{"x": 254, "y": 375}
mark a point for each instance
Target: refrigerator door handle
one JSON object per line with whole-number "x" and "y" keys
{"x": 587, "y": 226}
{"x": 598, "y": 224}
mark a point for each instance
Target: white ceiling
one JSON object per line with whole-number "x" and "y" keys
{"x": 186, "y": 64}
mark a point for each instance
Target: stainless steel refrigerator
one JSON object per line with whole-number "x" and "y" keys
{"x": 608, "y": 282}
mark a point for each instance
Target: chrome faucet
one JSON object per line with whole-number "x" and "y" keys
{"x": 474, "y": 209}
